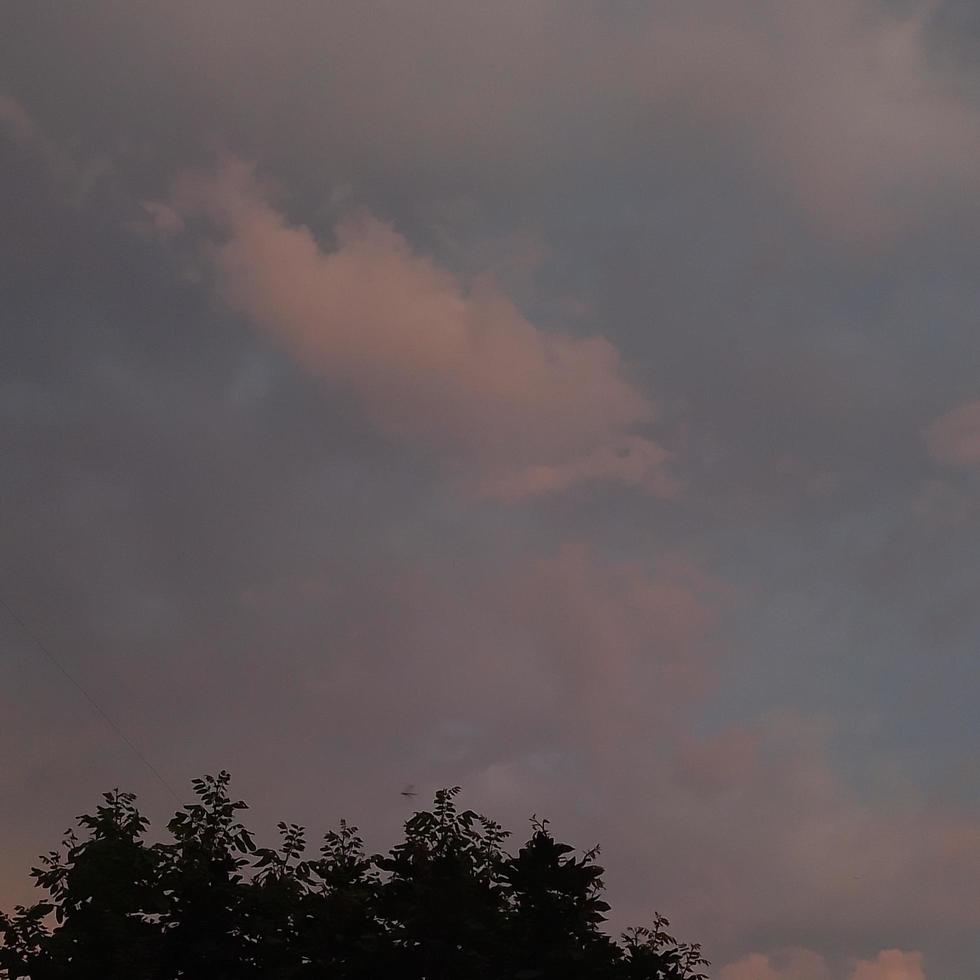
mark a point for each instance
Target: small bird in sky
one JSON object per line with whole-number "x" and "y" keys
{"x": 409, "y": 790}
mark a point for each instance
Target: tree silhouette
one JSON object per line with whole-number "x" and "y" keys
{"x": 447, "y": 903}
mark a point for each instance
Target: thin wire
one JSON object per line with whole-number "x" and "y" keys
{"x": 88, "y": 697}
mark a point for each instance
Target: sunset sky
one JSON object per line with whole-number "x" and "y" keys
{"x": 574, "y": 400}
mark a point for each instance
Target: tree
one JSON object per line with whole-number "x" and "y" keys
{"x": 447, "y": 903}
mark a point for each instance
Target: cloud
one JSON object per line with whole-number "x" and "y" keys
{"x": 810, "y": 852}
{"x": 803, "y": 964}
{"x": 853, "y": 108}
{"x": 160, "y": 219}
{"x": 791, "y": 964}
{"x": 891, "y": 964}
{"x": 458, "y": 368}
{"x": 628, "y": 645}
{"x": 841, "y": 104}
{"x": 630, "y": 459}
{"x": 562, "y": 680}
{"x": 954, "y": 439}
{"x": 840, "y": 101}
{"x": 582, "y": 646}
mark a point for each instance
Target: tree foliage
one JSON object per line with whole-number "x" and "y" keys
{"x": 447, "y": 903}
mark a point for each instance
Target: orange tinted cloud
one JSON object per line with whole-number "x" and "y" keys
{"x": 523, "y": 411}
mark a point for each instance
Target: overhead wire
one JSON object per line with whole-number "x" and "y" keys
{"x": 106, "y": 717}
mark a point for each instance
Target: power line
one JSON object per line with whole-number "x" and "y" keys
{"x": 35, "y": 639}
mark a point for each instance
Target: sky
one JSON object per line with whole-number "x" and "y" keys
{"x": 578, "y": 402}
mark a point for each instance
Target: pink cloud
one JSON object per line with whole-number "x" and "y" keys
{"x": 564, "y": 684}
{"x": 803, "y": 964}
{"x": 586, "y": 646}
{"x": 625, "y": 643}
{"x": 954, "y": 439}
{"x": 630, "y": 459}
{"x": 891, "y": 964}
{"x": 521, "y": 411}
{"x": 790, "y": 964}
{"x": 161, "y": 219}
{"x": 765, "y": 837}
